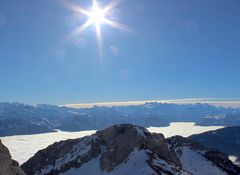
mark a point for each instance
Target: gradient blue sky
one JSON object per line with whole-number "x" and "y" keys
{"x": 188, "y": 49}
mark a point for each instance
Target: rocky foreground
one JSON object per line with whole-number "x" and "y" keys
{"x": 129, "y": 149}
{"x": 7, "y": 165}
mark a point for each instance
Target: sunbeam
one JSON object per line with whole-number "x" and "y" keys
{"x": 96, "y": 16}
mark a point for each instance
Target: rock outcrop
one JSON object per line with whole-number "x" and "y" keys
{"x": 126, "y": 149}
{"x": 220, "y": 160}
{"x": 7, "y": 165}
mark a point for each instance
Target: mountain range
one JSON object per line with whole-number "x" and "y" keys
{"x": 19, "y": 119}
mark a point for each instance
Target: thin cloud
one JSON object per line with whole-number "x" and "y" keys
{"x": 234, "y": 103}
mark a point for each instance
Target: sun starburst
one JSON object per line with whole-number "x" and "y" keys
{"x": 96, "y": 16}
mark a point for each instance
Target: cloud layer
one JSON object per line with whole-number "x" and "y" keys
{"x": 234, "y": 103}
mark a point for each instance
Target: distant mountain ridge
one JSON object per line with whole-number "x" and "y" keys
{"x": 18, "y": 118}
{"x": 129, "y": 149}
{"x": 226, "y": 140}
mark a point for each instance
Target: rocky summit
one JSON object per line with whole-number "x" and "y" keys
{"x": 7, "y": 165}
{"x": 128, "y": 149}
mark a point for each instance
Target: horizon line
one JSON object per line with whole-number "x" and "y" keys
{"x": 224, "y": 102}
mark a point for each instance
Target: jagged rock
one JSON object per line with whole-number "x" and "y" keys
{"x": 126, "y": 149}
{"x": 7, "y": 165}
{"x": 121, "y": 140}
{"x": 178, "y": 141}
{"x": 219, "y": 159}
{"x": 222, "y": 161}
{"x": 157, "y": 144}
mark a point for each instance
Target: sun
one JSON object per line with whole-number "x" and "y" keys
{"x": 97, "y": 15}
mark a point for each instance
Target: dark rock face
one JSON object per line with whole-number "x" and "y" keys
{"x": 121, "y": 140}
{"x": 222, "y": 161}
{"x": 178, "y": 141}
{"x": 7, "y": 165}
{"x": 112, "y": 147}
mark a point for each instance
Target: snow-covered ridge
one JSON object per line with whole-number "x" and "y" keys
{"x": 127, "y": 149}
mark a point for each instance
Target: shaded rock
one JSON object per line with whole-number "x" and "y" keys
{"x": 179, "y": 141}
{"x": 222, "y": 161}
{"x": 7, "y": 165}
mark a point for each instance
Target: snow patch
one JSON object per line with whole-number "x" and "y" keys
{"x": 79, "y": 150}
{"x": 90, "y": 168}
{"x": 135, "y": 163}
{"x": 141, "y": 131}
{"x": 234, "y": 159}
{"x": 196, "y": 163}
{"x": 169, "y": 167}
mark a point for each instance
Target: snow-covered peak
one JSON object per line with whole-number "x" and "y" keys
{"x": 126, "y": 149}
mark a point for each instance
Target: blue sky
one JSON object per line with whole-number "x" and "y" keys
{"x": 183, "y": 49}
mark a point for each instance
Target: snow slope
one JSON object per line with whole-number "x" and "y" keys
{"x": 196, "y": 163}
